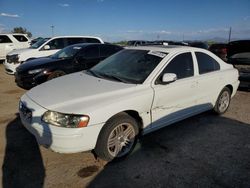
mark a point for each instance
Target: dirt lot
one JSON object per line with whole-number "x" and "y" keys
{"x": 203, "y": 151}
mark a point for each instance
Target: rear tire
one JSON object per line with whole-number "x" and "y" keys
{"x": 223, "y": 101}
{"x": 117, "y": 138}
{"x": 56, "y": 74}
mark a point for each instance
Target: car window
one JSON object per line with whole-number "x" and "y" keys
{"x": 56, "y": 44}
{"x": 5, "y": 39}
{"x": 107, "y": 50}
{"x": 71, "y": 41}
{"x": 39, "y": 43}
{"x": 92, "y": 40}
{"x": 206, "y": 63}
{"x": 91, "y": 52}
{"x": 67, "y": 52}
{"x": 20, "y": 38}
{"x": 181, "y": 65}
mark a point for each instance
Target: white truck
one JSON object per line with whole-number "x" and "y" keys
{"x": 9, "y": 42}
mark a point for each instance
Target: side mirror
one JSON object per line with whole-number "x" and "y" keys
{"x": 168, "y": 78}
{"x": 46, "y": 47}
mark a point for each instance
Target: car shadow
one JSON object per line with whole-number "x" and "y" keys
{"x": 244, "y": 89}
{"x": 203, "y": 151}
{"x": 23, "y": 164}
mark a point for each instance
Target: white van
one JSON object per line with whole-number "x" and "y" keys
{"x": 9, "y": 42}
{"x": 43, "y": 48}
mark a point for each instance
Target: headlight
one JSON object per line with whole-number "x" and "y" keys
{"x": 35, "y": 71}
{"x": 65, "y": 120}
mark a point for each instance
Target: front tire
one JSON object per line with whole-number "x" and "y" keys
{"x": 223, "y": 101}
{"x": 117, "y": 138}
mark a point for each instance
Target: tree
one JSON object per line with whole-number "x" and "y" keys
{"x": 21, "y": 30}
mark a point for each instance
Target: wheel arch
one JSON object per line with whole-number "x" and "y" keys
{"x": 132, "y": 113}
{"x": 230, "y": 87}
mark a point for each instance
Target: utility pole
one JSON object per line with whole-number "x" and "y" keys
{"x": 230, "y": 32}
{"x": 52, "y": 30}
{"x": 158, "y": 36}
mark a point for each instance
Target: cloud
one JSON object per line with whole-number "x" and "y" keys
{"x": 9, "y": 15}
{"x": 246, "y": 18}
{"x": 134, "y": 31}
{"x": 64, "y": 5}
{"x": 163, "y": 32}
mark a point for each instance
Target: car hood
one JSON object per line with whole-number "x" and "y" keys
{"x": 36, "y": 63}
{"x": 76, "y": 92}
{"x": 21, "y": 51}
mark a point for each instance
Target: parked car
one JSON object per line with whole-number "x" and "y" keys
{"x": 43, "y": 48}
{"x": 219, "y": 49}
{"x": 137, "y": 43}
{"x": 239, "y": 56}
{"x": 198, "y": 44}
{"x": 33, "y": 41}
{"x": 133, "y": 92}
{"x": 166, "y": 43}
{"x": 68, "y": 60}
{"x": 9, "y": 42}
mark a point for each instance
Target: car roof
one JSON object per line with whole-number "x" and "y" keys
{"x": 76, "y": 36}
{"x": 162, "y": 48}
{"x": 14, "y": 34}
{"x": 91, "y": 44}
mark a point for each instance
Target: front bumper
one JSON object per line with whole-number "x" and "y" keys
{"x": 25, "y": 81}
{"x": 10, "y": 68}
{"x": 58, "y": 139}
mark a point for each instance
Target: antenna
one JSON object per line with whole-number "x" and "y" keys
{"x": 52, "y": 30}
{"x": 229, "y": 36}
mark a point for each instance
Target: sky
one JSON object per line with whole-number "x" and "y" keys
{"x": 116, "y": 20}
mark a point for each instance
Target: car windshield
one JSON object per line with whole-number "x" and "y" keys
{"x": 39, "y": 43}
{"x": 67, "y": 52}
{"x": 129, "y": 65}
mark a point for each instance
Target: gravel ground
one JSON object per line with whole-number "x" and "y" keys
{"x": 202, "y": 151}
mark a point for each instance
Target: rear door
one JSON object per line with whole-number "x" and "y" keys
{"x": 22, "y": 41}
{"x": 209, "y": 79}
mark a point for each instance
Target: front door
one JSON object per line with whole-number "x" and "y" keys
{"x": 176, "y": 100}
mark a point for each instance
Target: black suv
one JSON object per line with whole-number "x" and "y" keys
{"x": 71, "y": 59}
{"x": 238, "y": 55}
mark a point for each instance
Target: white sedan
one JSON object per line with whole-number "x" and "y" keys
{"x": 133, "y": 92}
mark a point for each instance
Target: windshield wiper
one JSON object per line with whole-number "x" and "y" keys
{"x": 94, "y": 73}
{"x": 117, "y": 78}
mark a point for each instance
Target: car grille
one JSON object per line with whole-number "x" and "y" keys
{"x": 25, "y": 112}
{"x": 12, "y": 59}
